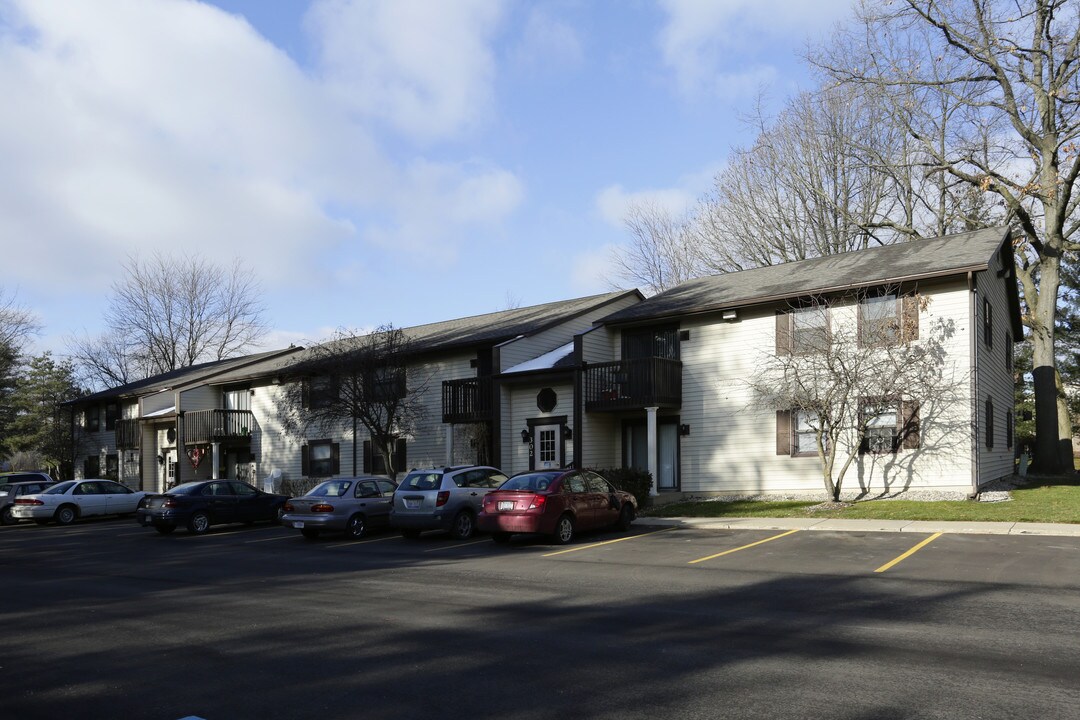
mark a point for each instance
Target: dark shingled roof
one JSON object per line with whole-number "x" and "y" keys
{"x": 478, "y": 330}
{"x": 917, "y": 259}
{"x": 180, "y": 376}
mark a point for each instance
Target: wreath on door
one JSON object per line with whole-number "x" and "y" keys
{"x": 195, "y": 455}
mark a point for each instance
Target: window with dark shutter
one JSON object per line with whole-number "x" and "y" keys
{"x": 112, "y": 410}
{"x": 783, "y": 333}
{"x": 988, "y": 323}
{"x": 323, "y": 459}
{"x": 1008, "y": 352}
{"x": 1009, "y": 429}
{"x": 989, "y": 423}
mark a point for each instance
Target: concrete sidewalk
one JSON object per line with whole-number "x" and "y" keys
{"x": 835, "y": 525}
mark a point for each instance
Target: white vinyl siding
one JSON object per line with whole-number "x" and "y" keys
{"x": 522, "y": 402}
{"x": 731, "y": 446}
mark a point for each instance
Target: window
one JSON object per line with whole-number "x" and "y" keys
{"x": 804, "y": 440}
{"x": 888, "y": 425}
{"x": 879, "y": 434}
{"x": 322, "y": 390}
{"x": 387, "y": 384}
{"x": 112, "y": 467}
{"x": 879, "y": 320}
{"x": 375, "y": 463}
{"x": 92, "y": 466}
{"x": 546, "y": 446}
{"x": 320, "y": 459}
{"x": 988, "y": 323}
{"x": 112, "y": 411}
{"x": 243, "y": 489}
{"x": 366, "y": 489}
{"x": 989, "y": 423}
{"x": 653, "y": 342}
{"x": 93, "y": 418}
{"x": 809, "y": 329}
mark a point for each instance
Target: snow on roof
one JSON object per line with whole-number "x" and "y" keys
{"x": 162, "y": 412}
{"x": 545, "y": 362}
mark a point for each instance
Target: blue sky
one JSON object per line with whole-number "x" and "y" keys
{"x": 372, "y": 162}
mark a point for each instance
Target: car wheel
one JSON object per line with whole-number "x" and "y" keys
{"x": 411, "y": 534}
{"x": 310, "y": 533}
{"x": 564, "y": 530}
{"x": 355, "y": 528}
{"x": 501, "y": 537}
{"x": 626, "y": 517}
{"x": 65, "y": 515}
{"x": 165, "y": 529}
{"x": 464, "y": 526}
{"x": 6, "y": 518}
{"x": 279, "y": 514}
{"x": 199, "y": 523}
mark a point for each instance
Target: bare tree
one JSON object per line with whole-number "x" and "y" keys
{"x": 169, "y": 313}
{"x": 17, "y": 323}
{"x": 989, "y": 92}
{"x": 358, "y": 380}
{"x": 851, "y": 376}
{"x": 663, "y": 250}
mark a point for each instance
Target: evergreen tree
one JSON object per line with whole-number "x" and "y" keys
{"x": 40, "y": 423}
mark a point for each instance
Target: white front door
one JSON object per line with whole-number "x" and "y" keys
{"x": 549, "y": 447}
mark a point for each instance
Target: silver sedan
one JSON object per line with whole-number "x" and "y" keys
{"x": 350, "y": 505}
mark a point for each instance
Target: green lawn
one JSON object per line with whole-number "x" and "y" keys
{"x": 1056, "y": 501}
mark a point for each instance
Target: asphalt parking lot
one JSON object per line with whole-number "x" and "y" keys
{"x": 106, "y": 619}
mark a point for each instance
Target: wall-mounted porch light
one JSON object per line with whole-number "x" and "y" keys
{"x": 526, "y": 436}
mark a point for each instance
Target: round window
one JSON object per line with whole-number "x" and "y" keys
{"x": 170, "y": 434}
{"x": 546, "y": 400}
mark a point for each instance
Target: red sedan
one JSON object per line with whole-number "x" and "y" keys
{"x": 557, "y": 503}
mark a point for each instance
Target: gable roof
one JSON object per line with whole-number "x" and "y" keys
{"x": 914, "y": 260}
{"x": 461, "y": 333}
{"x": 180, "y": 376}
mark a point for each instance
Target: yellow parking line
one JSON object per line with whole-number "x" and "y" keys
{"x": 606, "y": 542}
{"x": 910, "y": 552}
{"x": 759, "y": 542}
{"x": 269, "y": 539}
{"x": 457, "y": 545}
{"x": 363, "y": 542}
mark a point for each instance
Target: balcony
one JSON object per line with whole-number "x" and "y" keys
{"x": 465, "y": 401}
{"x": 632, "y": 384}
{"x": 128, "y": 435}
{"x": 208, "y": 426}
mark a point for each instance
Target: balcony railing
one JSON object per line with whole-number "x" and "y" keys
{"x": 466, "y": 400}
{"x": 128, "y": 435}
{"x": 632, "y": 384}
{"x": 207, "y": 426}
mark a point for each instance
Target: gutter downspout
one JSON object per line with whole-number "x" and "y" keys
{"x": 972, "y": 308}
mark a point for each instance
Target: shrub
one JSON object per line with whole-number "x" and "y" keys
{"x": 297, "y": 487}
{"x": 636, "y": 482}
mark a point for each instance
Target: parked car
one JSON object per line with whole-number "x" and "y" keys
{"x": 558, "y": 503}
{"x": 198, "y": 505}
{"x": 67, "y": 501}
{"x": 14, "y": 485}
{"x": 350, "y": 505}
{"x": 443, "y": 499}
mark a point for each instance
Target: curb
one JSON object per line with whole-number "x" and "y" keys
{"x": 838, "y": 525}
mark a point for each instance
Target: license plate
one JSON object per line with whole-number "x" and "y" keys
{"x": 411, "y": 503}
{"x": 506, "y": 505}
{"x": 298, "y": 524}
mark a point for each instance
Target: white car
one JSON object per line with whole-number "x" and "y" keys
{"x": 67, "y": 501}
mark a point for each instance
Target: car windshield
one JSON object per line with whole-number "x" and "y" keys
{"x": 533, "y": 482}
{"x": 421, "y": 481}
{"x": 186, "y": 488}
{"x": 59, "y": 489}
{"x": 331, "y": 488}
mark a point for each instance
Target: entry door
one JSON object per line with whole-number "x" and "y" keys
{"x": 549, "y": 447}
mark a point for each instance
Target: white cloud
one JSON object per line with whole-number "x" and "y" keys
{"x": 171, "y": 125}
{"x": 424, "y": 68}
{"x": 719, "y": 46}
